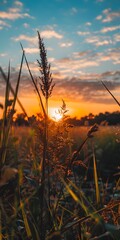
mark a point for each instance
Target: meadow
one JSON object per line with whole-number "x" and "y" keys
{"x": 56, "y": 181}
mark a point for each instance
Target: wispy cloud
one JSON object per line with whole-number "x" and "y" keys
{"x": 14, "y": 13}
{"x": 109, "y": 16}
{"x": 99, "y": 17}
{"x": 26, "y": 25}
{"x": 31, "y": 50}
{"x": 85, "y": 88}
{"x": 110, "y": 29}
{"x": 33, "y": 39}
{"x": 83, "y": 33}
{"x": 66, "y": 44}
{"x": 111, "y": 55}
{"x": 99, "y": 41}
{"x": 13, "y": 16}
{"x": 4, "y": 24}
{"x": 74, "y": 10}
{"x": 72, "y": 65}
{"x": 51, "y": 34}
{"x": 18, "y": 3}
{"x": 23, "y": 37}
{"x": 117, "y": 37}
{"x": 3, "y": 54}
{"x": 88, "y": 23}
{"x": 81, "y": 54}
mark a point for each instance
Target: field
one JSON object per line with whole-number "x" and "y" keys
{"x": 88, "y": 191}
{"x": 57, "y": 182}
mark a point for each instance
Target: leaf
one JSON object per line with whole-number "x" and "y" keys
{"x": 111, "y": 93}
{"x": 27, "y": 228}
{"x": 96, "y": 179}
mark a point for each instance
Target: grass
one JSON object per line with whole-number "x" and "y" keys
{"x": 45, "y": 188}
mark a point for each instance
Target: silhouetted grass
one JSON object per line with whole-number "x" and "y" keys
{"x": 44, "y": 190}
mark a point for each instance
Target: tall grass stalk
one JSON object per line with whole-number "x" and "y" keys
{"x": 13, "y": 92}
{"x": 46, "y": 87}
{"x": 6, "y": 129}
{"x": 96, "y": 179}
{"x": 27, "y": 227}
{"x": 34, "y": 83}
{"x": 2, "y": 140}
{"x": 111, "y": 93}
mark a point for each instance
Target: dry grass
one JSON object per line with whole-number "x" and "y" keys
{"x": 45, "y": 193}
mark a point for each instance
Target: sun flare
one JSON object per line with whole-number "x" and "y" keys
{"x": 55, "y": 114}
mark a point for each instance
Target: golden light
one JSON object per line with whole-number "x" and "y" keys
{"x": 55, "y": 114}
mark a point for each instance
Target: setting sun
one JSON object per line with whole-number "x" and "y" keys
{"x": 55, "y": 114}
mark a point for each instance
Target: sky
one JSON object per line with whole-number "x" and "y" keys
{"x": 82, "y": 38}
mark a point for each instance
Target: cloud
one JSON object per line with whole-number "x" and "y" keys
{"x": 34, "y": 39}
{"x": 99, "y": 41}
{"x": 74, "y": 10}
{"x": 117, "y": 37}
{"x": 18, "y": 3}
{"x": 110, "y": 16}
{"x": 81, "y": 54}
{"x": 88, "y": 23}
{"x": 26, "y": 38}
{"x": 13, "y": 16}
{"x": 4, "y": 24}
{"x": 26, "y": 25}
{"x": 111, "y": 55}
{"x": 83, "y": 33}
{"x": 51, "y": 34}
{"x": 72, "y": 65}
{"x": 3, "y": 54}
{"x": 99, "y": 17}
{"x": 85, "y": 88}
{"x": 110, "y": 29}
{"x": 14, "y": 13}
{"x": 67, "y": 44}
{"x": 31, "y": 50}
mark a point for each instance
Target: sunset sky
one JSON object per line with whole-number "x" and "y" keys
{"x": 82, "y": 38}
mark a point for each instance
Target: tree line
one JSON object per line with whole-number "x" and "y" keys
{"x": 103, "y": 119}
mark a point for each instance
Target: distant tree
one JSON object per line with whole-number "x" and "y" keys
{"x": 20, "y": 120}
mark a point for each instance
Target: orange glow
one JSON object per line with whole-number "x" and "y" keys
{"x": 55, "y": 114}
{"x": 75, "y": 107}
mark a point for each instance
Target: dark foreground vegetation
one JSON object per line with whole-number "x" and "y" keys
{"x": 50, "y": 186}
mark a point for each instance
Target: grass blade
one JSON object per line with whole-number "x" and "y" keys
{"x": 96, "y": 180}
{"x": 5, "y": 140}
{"x": 5, "y": 108}
{"x": 110, "y": 93}
{"x": 13, "y": 92}
{"x": 27, "y": 228}
{"x": 34, "y": 83}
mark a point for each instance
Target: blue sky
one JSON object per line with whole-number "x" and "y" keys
{"x": 82, "y": 38}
